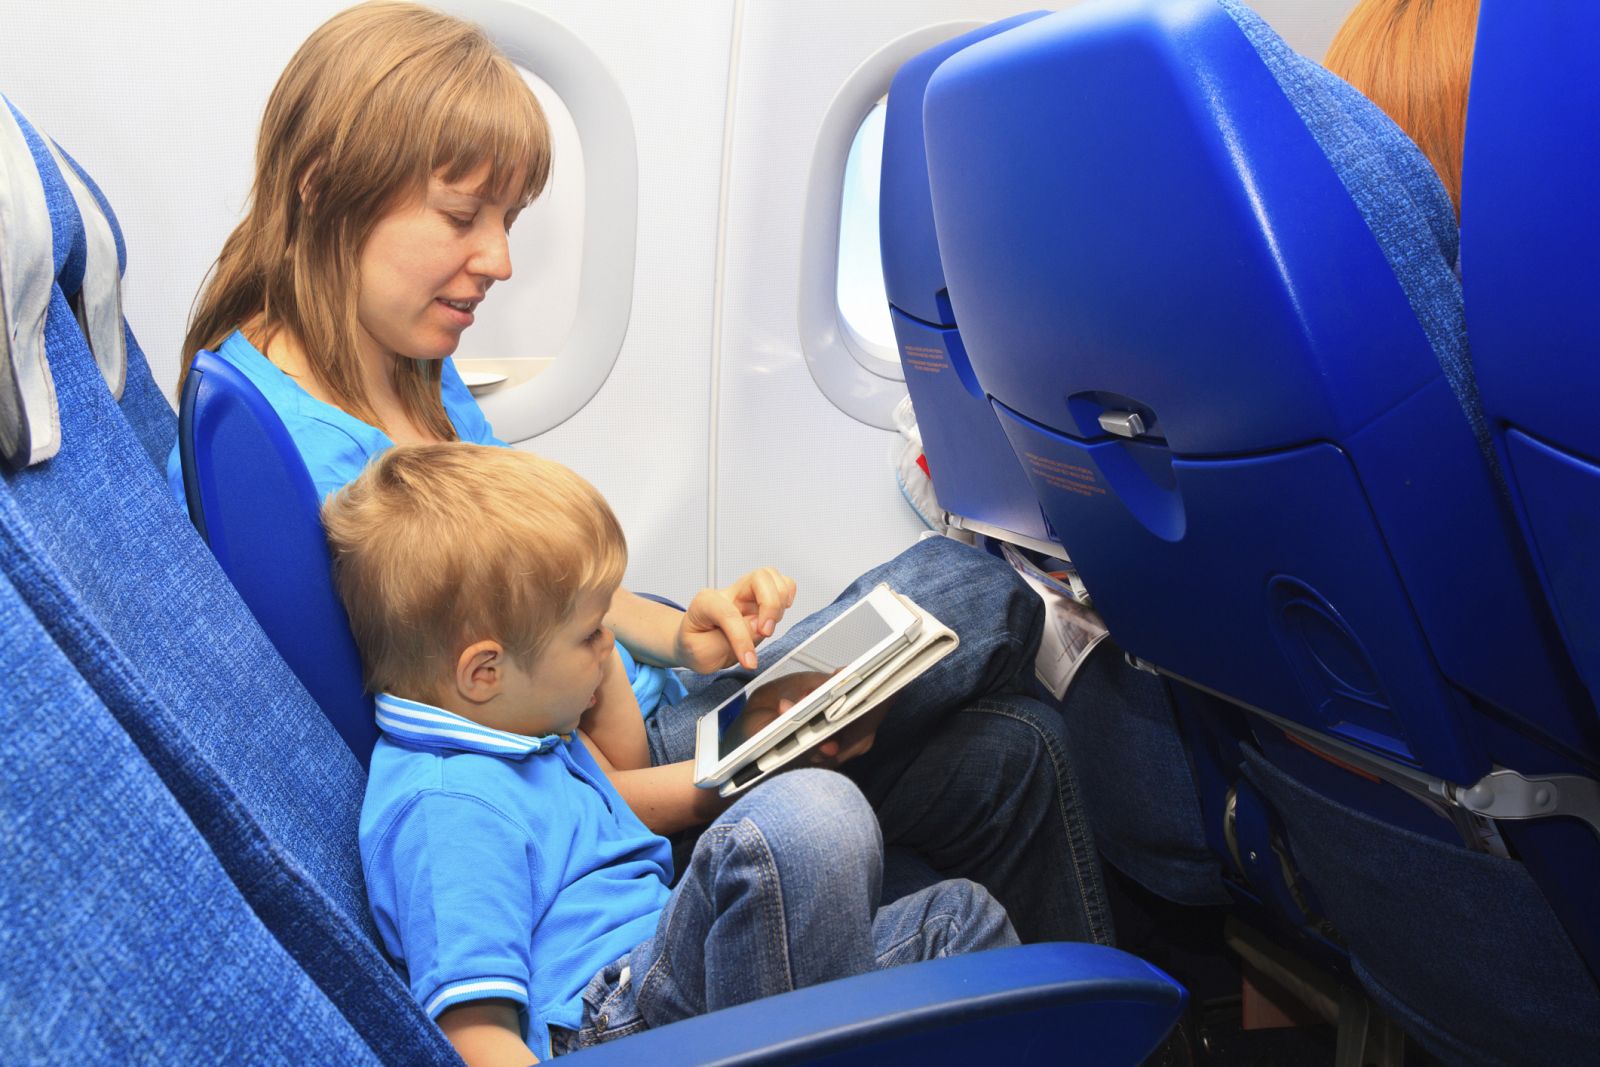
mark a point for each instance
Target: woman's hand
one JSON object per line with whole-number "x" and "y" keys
{"x": 854, "y": 740}
{"x": 723, "y": 626}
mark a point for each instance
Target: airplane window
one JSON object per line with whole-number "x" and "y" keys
{"x": 863, "y": 304}
{"x": 556, "y": 330}
{"x": 845, "y": 329}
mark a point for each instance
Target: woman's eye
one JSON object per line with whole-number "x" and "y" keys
{"x": 460, "y": 222}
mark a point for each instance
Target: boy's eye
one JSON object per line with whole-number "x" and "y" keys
{"x": 599, "y": 632}
{"x": 460, "y": 222}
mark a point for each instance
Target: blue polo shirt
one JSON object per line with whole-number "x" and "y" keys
{"x": 502, "y": 866}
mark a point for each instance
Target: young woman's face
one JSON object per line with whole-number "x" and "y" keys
{"x": 428, "y": 264}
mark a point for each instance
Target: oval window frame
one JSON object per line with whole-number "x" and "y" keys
{"x": 539, "y": 43}
{"x": 845, "y": 375}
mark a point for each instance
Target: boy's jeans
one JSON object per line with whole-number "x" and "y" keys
{"x": 781, "y": 892}
{"x": 969, "y": 778}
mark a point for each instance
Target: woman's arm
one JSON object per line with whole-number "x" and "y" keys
{"x": 722, "y": 626}
{"x": 615, "y": 726}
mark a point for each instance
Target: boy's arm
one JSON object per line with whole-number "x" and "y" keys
{"x": 485, "y": 1034}
{"x": 664, "y": 798}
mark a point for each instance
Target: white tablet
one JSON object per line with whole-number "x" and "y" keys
{"x": 786, "y": 708}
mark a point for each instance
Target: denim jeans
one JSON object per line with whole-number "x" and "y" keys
{"x": 969, "y": 775}
{"x": 782, "y": 891}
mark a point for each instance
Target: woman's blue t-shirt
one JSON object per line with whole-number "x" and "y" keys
{"x": 336, "y": 447}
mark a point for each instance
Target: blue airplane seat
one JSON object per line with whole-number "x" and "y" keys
{"x": 97, "y": 550}
{"x": 1121, "y": 723}
{"x": 253, "y": 501}
{"x": 1528, "y": 277}
{"x": 91, "y": 538}
{"x": 1528, "y": 245}
{"x": 975, "y": 475}
{"x": 1210, "y": 291}
{"x": 110, "y": 958}
{"x": 91, "y": 279}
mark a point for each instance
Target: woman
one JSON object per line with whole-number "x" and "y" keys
{"x": 395, "y": 153}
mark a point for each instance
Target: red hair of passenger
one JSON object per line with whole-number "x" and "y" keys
{"x": 1413, "y": 58}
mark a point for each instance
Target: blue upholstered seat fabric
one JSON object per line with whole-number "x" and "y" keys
{"x": 121, "y": 582}
{"x": 146, "y": 410}
{"x": 124, "y": 940}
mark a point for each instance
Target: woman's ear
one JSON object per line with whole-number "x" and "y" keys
{"x": 480, "y": 671}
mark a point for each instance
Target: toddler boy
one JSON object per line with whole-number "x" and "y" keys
{"x": 526, "y": 903}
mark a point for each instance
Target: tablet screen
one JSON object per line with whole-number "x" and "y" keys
{"x": 855, "y": 633}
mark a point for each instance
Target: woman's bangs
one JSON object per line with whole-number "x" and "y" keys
{"x": 499, "y": 122}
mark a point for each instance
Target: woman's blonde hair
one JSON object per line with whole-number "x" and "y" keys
{"x": 438, "y": 546}
{"x": 1413, "y": 58}
{"x": 378, "y": 99}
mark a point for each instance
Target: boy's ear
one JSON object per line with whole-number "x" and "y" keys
{"x": 480, "y": 671}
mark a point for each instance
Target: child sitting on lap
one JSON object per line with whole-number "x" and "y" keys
{"x": 525, "y": 902}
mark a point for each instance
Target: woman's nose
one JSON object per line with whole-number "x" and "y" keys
{"x": 492, "y": 257}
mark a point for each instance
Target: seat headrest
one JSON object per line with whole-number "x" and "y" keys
{"x": 61, "y": 233}
{"x": 1167, "y": 178}
{"x": 30, "y": 425}
{"x": 91, "y": 277}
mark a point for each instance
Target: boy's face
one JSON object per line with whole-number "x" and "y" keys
{"x": 562, "y": 683}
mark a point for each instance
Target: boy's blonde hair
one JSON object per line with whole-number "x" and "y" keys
{"x": 376, "y": 101}
{"x": 438, "y": 546}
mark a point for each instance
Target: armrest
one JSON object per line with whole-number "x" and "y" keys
{"x": 1032, "y": 1002}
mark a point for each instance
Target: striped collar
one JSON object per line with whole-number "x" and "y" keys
{"x": 426, "y": 726}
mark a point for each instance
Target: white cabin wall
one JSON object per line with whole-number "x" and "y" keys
{"x": 1307, "y": 25}
{"x": 644, "y": 438}
{"x": 160, "y": 104}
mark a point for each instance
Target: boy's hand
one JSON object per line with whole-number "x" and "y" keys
{"x": 723, "y": 626}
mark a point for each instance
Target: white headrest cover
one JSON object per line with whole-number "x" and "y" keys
{"x": 99, "y": 305}
{"x": 30, "y": 426}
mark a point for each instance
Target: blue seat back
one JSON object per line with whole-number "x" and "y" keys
{"x": 1528, "y": 247}
{"x": 1209, "y": 289}
{"x": 103, "y": 556}
{"x": 91, "y": 280}
{"x": 252, "y": 499}
{"x": 100, "y": 881}
{"x": 1527, "y": 269}
{"x": 974, "y": 473}
{"x": 1292, "y": 520}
